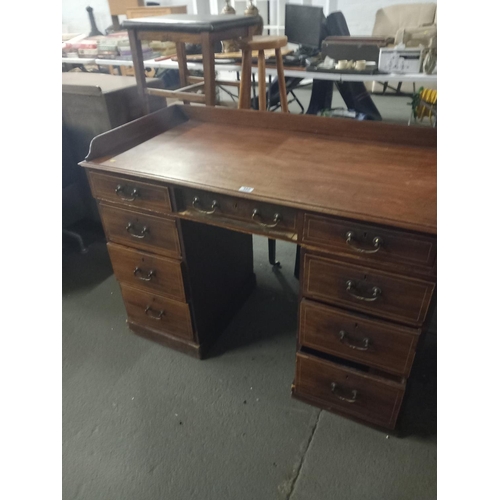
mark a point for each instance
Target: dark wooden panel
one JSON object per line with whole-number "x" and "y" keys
{"x": 269, "y": 218}
{"x": 220, "y": 268}
{"x": 401, "y": 298}
{"x": 145, "y": 232}
{"x": 370, "y": 243}
{"x": 376, "y": 400}
{"x": 159, "y": 313}
{"x": 378, "y": 344}
{"x": 148, "y": 272}
{"x": 130, "y": 192}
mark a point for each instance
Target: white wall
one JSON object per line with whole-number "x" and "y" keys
{"x": 76, "y": 20}
{"x": 359, "y": 14}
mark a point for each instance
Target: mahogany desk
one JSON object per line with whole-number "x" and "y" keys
{"x": 182, "y": 190}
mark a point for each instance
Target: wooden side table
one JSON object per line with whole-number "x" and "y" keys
{"x": 182, "y": 29}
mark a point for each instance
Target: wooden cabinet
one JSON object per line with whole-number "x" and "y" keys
{"x": 180, "y": 206}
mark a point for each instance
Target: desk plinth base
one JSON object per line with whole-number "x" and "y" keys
{"x": 199, "y": 351}
{"x": 167, "y": 340}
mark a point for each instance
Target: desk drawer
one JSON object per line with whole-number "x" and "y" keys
{"x": 378, "y": 344}
{"x": 256, "y": 216}
{"x": 145, "y": 232}
{"x": 370, "y": 243}
{"x": 148, "y": 272}
{"x": 157, "y": 312}
{"x": 348, "y": 391}
{"x": 130, "y": 192}
{"x": 381, "y": 294}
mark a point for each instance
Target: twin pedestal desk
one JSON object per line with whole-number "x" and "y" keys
{"x": 182, "y": 190}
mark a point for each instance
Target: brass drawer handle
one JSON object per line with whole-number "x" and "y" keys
{"x": 120, "y": 189}
{"x": 377, "y": 243}
{"x": 256, "y": 215}
{"x": 352, "y": 399}
{"x": 154, "y": 314}
{"x": 139, "y": 274}
{"x": 351, "y": 288}
{"x": 364, "y": 343}
{"x": 141, "y": 234}
{"x": 214, "y": 207}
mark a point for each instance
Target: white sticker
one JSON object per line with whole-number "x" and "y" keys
{"x": 245, "y": 189}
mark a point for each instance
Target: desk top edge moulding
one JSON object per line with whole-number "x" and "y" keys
{"x": 182, "y": 190}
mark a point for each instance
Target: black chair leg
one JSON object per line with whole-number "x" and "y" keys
{"x": 76, "y": 237}
{"x": 296, "y": 272}
{"x": 271, "y": 246}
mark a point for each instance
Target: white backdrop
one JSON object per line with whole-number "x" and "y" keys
{"x": 360, "y": 14}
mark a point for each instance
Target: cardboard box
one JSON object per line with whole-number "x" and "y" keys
{"x": 119, "y": 7}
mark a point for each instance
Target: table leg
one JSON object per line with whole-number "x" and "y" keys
{"x": 116, "y": 23}
{"x": 262, "y": 81}
{"x": 207, "y": 48}
{"x": 138, "y": 60}
{"x": 246, "y": 69}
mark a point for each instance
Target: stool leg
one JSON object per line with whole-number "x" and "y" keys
{"x": 245, "y": 84}
{"x": 180, "y": 48}
{"x": 181, "y": 59}
{"x": 281, "y": 81}
{"x": 262, "y": 81}
{"x": 207, "y": 49}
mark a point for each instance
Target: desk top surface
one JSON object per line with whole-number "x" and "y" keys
{"x": 361, "y": 170}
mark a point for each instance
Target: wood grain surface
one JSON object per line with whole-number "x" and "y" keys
{"x": 401, "y": 299}
{"x": 148, "y": 272}
{"x": 379, "y": 344}
{"x": 157, "y": 312}
{"x": 376, "y": 400}
{"x": 367, "y": 171}
{"x": 137, "y": 230}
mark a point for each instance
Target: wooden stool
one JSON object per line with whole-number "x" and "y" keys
{"x": 261, "y": 43}
{"x": 182, "y": 29}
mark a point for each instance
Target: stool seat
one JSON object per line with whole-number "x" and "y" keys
{"x": 265, "y": 42}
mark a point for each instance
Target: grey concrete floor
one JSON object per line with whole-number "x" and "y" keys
{"x": 143, "y": 422}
